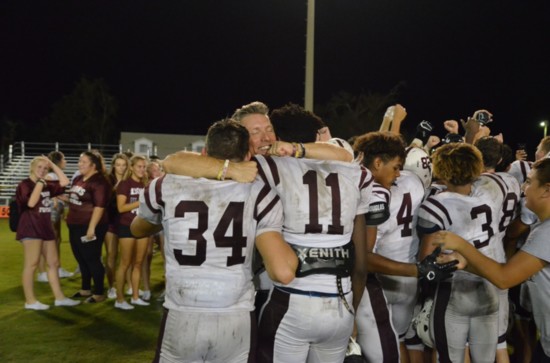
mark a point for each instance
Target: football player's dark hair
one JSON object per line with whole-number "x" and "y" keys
{"x": 491, "y": 150}
{"x": 227, "y": 139}
{"x": 508, "y": 157}
{"x": 294, "y": 123}
{"x": 382, "y": 144}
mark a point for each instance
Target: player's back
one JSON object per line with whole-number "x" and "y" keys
{"x": 320, "y": 198}
{"x": 209, "y": 230}
{"x": 469, "y": 216}
{"x": 320, "y": 201}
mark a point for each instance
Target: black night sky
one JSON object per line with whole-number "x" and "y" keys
{"x": 176, "y": 66}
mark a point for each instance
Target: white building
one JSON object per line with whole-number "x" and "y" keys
{"x": 160, "y": 144}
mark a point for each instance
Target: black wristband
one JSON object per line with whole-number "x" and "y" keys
{"x": 303, "y": 151}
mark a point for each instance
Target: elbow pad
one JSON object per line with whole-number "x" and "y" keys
{"x": 378, "y": 213}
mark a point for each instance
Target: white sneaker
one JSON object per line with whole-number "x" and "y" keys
{"x": 162, "y": 296}
{"x": 139, "y": 302}
{"x": 123, "y": 305}
{"x": 146, "y": 295}
{"x": 111, "y": 294}
{"x": 36, "y": 306}
{"x": 64, "y": 273}
{"x": 130, "y": 292}
{"x": 66, "y": 302}
{"x": 42, "y": 277}
{"x": 76, "y": 270}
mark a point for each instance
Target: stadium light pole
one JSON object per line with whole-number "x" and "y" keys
{"x": 545, "y": 125}
{"x": 310, "y": 42}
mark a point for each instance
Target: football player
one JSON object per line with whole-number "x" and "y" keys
{"x": 210, "y": 228}
{"x": 465, "y": 308}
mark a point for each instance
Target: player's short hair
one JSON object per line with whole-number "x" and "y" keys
{"x": 457, "y": 163}
{"x": 491, "y": 150}
{"x": 294, "y": 123}
{"x": 508, "y": 157}
{"x": 255, "y": 107}
{"x": 380, "y": 144}
{"x": 227, "y": 139}
{"x": 542, "y": 166}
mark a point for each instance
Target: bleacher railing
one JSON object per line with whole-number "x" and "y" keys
{"x": 22, "y": 152}
{"x": 22, "y": 148}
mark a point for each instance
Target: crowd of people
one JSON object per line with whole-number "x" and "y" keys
{"x": 100, "y": 207}
{"x": 285, "y": 244}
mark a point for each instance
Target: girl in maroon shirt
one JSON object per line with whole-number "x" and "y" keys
{"x": 87, "y": 222}
{"x": 119, "y": 168}
{"x": 132, "y": 250}
{"x": 35, "y": 229}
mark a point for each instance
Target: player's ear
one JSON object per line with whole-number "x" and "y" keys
{"x": 377, "y": 162}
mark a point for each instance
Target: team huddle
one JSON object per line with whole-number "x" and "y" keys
{"x": 283, "y": 244}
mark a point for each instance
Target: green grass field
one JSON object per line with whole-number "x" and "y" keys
{"x": 85, "y": 333}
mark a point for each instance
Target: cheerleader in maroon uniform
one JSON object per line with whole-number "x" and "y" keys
{"x": 132, "y": 250}
{"x": 87, "y": 222}
{"x": 119, "y": 168}
{"x": 35, "y": 230}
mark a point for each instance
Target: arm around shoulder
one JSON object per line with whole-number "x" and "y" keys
{"x": 191, "y": 164}
{"x": 324, "y": 151}
{"x": 279, "y": 258}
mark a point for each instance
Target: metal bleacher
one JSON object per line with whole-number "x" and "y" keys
{"x": 14, "y": 166}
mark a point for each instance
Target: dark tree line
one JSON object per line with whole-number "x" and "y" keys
{"x": 87, "y": 114}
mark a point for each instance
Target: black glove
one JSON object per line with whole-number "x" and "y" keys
{"x": 423, "y": 131}
{"x": 432, "y": 271}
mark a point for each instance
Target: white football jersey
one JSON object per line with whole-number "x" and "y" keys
{"x": 519, "y": 169}
{"x": 505, "y": 213}
{"x": 320, "y": 201}
{"x": 396, "y": 238}
{"x": 209, "y": 229}
{"x": 469, "y": 216}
